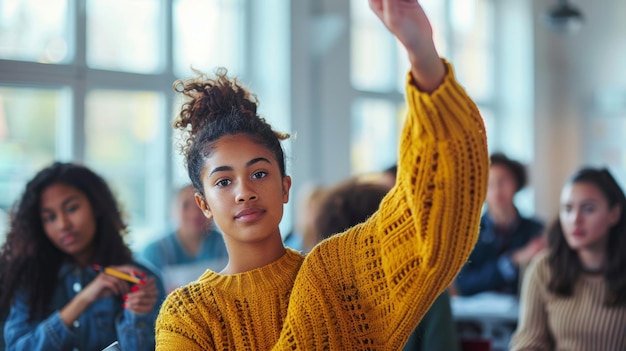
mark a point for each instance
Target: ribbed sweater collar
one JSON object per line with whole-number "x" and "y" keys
{"x": 278, "y": 275}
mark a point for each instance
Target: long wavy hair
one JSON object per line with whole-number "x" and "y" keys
{"x": 565, "y": 261}
{"x": 30, "y": 261}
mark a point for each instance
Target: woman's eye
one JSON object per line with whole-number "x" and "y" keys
{"x": 48, "y": 218}
{"x": 71, "y": 208}
{"x": 223, "y": 182}
{"x": 259, "y": 174}
{"x": 589, "y": 209}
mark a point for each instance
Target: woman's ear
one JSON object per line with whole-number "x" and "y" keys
{"x": 616, "y": 214}
{"x": 204, "y": 206}
{"x": 286, "y": 187}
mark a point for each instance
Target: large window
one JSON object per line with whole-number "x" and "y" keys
{"x": 35, "y": 30}
{"x": 30, "y": 133}
{"x": 90, "y": 81}
{"x": 125, "y": 35}
{"x": 193, "y": 48}
{"x": 462, "y": 33}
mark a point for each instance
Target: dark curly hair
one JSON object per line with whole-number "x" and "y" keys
{"x": 517, "y": 169}
{"x": 30, "y": 261}
{"x": 217, "y": 107}
{"x": 564, "y": 260}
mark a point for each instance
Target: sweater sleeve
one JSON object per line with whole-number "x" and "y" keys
{"x": 371, "y": 285}
{"x": 532, "y": 331}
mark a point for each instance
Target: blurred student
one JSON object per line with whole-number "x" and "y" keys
{"x": 64, "y": 229}
{"x": 388, "y": 175}
{"x": 352, "y": 202}
{"x": 574, "y": 296}
{"x": 195, "y": 245}
{"x": 302, "y": 238}
{"x": 507, "y": 240}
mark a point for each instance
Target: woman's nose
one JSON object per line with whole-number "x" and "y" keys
{"x": 578, "y": 216}
{"x": 63, "y": 221}
{"x": 245, "y": 192}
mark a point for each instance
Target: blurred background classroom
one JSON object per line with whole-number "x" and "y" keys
{"x": 91, "y": 81}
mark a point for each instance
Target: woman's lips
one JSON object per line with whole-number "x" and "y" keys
{"x": 68, "y": 239}
{"x": 249, "y": 215}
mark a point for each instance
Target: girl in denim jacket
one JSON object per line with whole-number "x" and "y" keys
{"x": 66, "y": 225}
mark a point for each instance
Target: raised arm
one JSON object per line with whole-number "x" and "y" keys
{"x": 370, "y": 286}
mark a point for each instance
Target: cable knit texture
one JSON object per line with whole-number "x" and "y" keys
{"x": 367, "y": 288}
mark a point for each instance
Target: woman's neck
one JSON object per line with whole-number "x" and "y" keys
{"x": 85, "y": 258}
{"x": 592, "y": 259}
{"x": 244, "y": 257}
{"x": 503, "y": 217}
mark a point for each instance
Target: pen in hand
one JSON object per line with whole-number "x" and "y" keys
{"x": 118, "y": 274}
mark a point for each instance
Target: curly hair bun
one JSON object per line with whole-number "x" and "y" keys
{"x": 209, "y": 99}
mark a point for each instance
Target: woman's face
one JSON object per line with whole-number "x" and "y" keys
{"x": 586, "y": 217}
{"x": 191, "y": 220}
{"x": 501, "y": 187}
{"x": 244, "y": 190}
{"x": 68, "y": 221}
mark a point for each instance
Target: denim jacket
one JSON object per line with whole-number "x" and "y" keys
{"x": 102, "y": 323}
{"x": 490, "y": 267}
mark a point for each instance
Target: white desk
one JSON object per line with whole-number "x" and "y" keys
{"x": 490, "y": 316}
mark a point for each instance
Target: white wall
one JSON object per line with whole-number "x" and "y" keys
{"x": 570, "y": 70}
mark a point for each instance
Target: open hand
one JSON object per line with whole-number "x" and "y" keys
{"x": 407, "y": 20}
{"x": 528, "y": 252}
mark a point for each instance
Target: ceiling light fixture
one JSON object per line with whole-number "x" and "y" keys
{"x": 564, "y": 17}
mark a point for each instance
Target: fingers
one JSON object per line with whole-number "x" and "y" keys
{"x": 132, "y": 271}
{"x": 104, "y": 286}
{"x": 537, "y": 244}
{"x": 115, "y": 285}
{"x": 377, "y": 7}
{"x": 142, "y": 298}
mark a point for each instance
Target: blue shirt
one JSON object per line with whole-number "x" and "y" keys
{"x": 489, "y": 267}
{"x": 178, "y": 267}
{"x": 102, "y": 323}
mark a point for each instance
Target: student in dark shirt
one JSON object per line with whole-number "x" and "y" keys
{"x": 507, "y": 239}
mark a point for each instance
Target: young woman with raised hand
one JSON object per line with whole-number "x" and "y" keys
{"x": 366, "y": 288}
{"x": 574, "y": 296}
{"x": 64, "y": 230}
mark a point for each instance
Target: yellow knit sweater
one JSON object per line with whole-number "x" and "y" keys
{"x": 367, "y": 288}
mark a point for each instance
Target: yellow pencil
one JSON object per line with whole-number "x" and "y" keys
{"x": 119, "y": 274}
{"x": 122, "y": 275}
